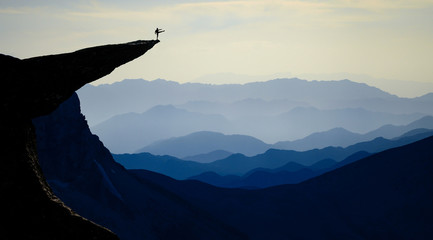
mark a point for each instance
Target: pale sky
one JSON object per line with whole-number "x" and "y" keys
{"x": 385, "y": 43}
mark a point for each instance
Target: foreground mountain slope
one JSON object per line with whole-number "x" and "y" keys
{"x": 385, "y": 196}
{"x": 83, "y": 174}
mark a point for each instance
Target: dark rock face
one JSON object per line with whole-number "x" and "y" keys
{"x": 31, "y": 88}
{"x": 70, "y": 159}
{"x": 82, "y": 172}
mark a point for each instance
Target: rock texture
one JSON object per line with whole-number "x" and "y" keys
{"x": 34, "y": 87}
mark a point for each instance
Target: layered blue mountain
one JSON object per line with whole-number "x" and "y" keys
{"x": 272, "y": 111}
{"x": 132, "y": 131}
{"x": 206, "y": 142}
{"x": 343, "y": 138}
{"x": 207, "y": 146}
{"x": 167, "y": 165}
{"x": 208, "y": 157}
{"x": 290, "y": 173}
{"x": 359, "y": 120}
{"x": 384, "y": 196}
{"x": 239, "y": 164}
{"x": 104, "y": 101}
{"x": 333, "y": 137}
{"x": 82, "y": 173}
{"x": 391, "y": 131}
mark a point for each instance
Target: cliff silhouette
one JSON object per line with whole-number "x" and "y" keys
{"x": 34, "y": 87}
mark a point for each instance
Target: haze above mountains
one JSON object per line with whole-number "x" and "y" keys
{"x": 134, "y": 114}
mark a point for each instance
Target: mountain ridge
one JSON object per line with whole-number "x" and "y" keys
{"x": 129, "y": 132}
{"x": 393, "y": 202}
{"x": 343, "y": 138}
{"x": 290, "y": 173}
{"x": 204, "y": 142}
{"x": 208, "y": 157}
{"x": 275, "y": 110}
{"x": 239, "y": 164}
{"x": 336, "y": 137}
{"x": 142, "y": 95}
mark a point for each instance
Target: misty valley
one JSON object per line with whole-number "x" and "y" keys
{"x": 282, "y": 159}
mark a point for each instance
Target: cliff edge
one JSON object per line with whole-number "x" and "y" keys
{"x": 34, "y": 87}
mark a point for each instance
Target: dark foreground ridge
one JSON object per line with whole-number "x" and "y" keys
{"x": 34, "y": 87}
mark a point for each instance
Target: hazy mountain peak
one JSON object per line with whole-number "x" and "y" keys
{"x": 203, "y": 142}
{"x": 163, "y": 109}
{"x": 426, "y": 120}
{"x": 428, "y": 96}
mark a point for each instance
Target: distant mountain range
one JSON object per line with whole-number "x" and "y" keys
{"x": 130, "y": 132}
{"x": 239, "y": 164}
{"x": 202, "y": 143}
{"x": 343, "y": 138}
{"x": 102, "y": 102}
{"x": 290, "y": 173}
{"x": 384, "y": 196}
{"x": 206, "y": 142}
{"x": 132, "y": 114}
{"x": 208, "y": 157}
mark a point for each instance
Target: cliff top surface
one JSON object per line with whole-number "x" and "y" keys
{"x": 36, "y": 86}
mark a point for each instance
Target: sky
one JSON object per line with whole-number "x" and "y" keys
{"x": 384, "y": 43}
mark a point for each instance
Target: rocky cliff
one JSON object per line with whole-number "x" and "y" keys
{"x": 83, "y": 174}
{"x": 34, "y": 87}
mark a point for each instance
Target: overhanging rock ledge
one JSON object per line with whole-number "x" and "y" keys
{"x": 34, "y": 87}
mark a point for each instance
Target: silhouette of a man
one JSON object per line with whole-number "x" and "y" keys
{"x": 158, "y": 31}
